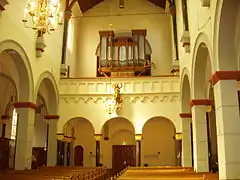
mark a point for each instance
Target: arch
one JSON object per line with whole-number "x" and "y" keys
{"x": 157, "y": 140}
{"x": 20, "y": 58}
{"x": 201, "y": 53}
{"x": 117, "y": 119}
{"x": 70, "y": 124}
{"x": 224, "y": 35}
{"x": 52, "y": 88}
{"x": 162, "y": 117}
{"x": 185, "y": 91}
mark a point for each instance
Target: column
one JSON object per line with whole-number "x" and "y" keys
{"x": 52, "y": 139}
{"x": 138, "y": 138}
{"x": 186, "y": 141}
{"x": 98, "y": 154}
{"x": 228, "y": 126}
{"x": 25, "y": 132}
{"x": 60, "y": 149}
{"x": 5, "y": 119}
{"x": 200, "y": 139}
{"x": 178, "y": 138}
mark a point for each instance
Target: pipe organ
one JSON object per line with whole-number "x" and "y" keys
{"x": 123, "y": 53}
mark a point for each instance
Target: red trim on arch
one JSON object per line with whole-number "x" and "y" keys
{"x": 56, "y": 117}
{"x": 25, "y": 105}
{"x": 185, "y": 115}
{"x": 224, "y": 75}
{"x": 200, "y": 102}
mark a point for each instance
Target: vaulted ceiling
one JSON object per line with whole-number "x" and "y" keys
{"x": 88, "y": 4}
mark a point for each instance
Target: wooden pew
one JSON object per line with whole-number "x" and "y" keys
{"x": 57, "y": 173}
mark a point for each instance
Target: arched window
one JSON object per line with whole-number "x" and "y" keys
{"x": 14, "y": 124}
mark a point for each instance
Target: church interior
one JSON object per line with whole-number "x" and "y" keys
{"x": 119, "y": 89}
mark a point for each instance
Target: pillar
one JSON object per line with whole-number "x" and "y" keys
{"x": 3, "y": 127}
{"x": 60, "y": 149}
{"x": 228, "y": 123}
{"x": 52, "y": 139}
{"x": 186, "y": 141}
{"x": 25, "y": 132}
{"x": 138, "y": 138}
{"x": 98, "y": 153}
{"x": 178, "y": 138}
{"x": 200, "y": 139}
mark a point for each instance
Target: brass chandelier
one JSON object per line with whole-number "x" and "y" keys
{"x": 43, "y": 16}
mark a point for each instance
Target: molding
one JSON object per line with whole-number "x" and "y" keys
{"x": 205, "y": 3}
{"x": 25, "y": 105}
{"x": 130, "y": 98}
{"x": 201, "y": 102}
{"x": 224, "y": 75}
{"x": 3, "y": 3}
{"x": 185, "y": 115}
{"x": 51, "y": 117}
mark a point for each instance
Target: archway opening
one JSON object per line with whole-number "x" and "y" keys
{"x": 16, "y": 84}
{"x": 117, "y": 142}
{"x": 158, "y": 144}
{"x": 82, "y": 132}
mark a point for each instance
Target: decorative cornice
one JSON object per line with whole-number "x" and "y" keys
{"x": 185, "y": 115}
{"x": 25, "y": 105}
{"x": 224, "y": 75}
{"x": 129, "y": 98}
{"x": 200, "y": 102}
{"x": 51, "y": 117}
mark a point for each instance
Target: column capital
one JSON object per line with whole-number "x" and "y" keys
{"x": 4, "y": 119}
{"x": 138, "y": 137}
{"x": 178, "y": 136}
{"x": 25, "y": 105}
{"x": 224, "y": 75}
{"x": 201, "y": 102}
{"x": 185, "y": 115}
{"x": 51, "y": 117}
{"x": 97, "y": 137}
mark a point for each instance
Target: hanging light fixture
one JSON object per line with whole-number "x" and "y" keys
{"x": 43, "y": 16}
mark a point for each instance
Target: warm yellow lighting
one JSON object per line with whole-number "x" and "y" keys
{"x": 43, "y": 15}
{"x": 178, "y": 136}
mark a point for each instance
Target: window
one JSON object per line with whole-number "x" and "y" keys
{"x": 14, "y": 124}
{"x": 185, "y": 15}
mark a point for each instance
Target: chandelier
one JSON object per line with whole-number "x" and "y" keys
{"x": 114, "y": 103}
{"x": 43, "y": 16}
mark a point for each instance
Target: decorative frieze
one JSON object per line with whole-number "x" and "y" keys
{"x": 144, "y": 98}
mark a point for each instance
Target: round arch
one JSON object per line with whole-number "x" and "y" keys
{"x": 52, "y": 91}
{"x": 185, "y": 91}
{"x": 115, "y": 119}
{"x": 160, "y": 118}
{"x": 20, "y": 59}
{"x": 71, "y": 123}
{"x": 201, "y": 54}
{"x": 224, "y": 36}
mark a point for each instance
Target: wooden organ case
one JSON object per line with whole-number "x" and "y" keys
{"x": 124, "y": 53}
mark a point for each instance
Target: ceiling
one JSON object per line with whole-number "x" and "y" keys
{"x": 88, "y": 4}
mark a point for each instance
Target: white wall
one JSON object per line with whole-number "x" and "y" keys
{"x": 137, "y": 14}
